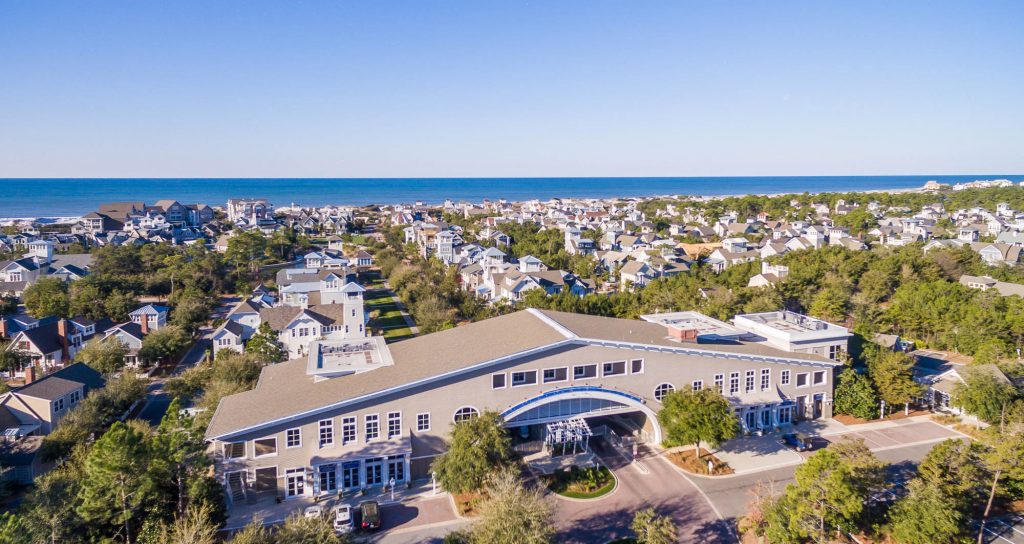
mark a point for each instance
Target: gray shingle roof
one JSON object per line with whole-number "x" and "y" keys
{"x": 284, "y": 389}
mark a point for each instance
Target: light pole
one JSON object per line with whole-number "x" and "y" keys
{"x": 392, "y": 484}
{"x": 433, "y": 483}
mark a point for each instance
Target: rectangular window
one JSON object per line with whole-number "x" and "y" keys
{"x": 720, "y": 383}
{"x": 293, "y": 438}
{"x": 264, "y": 447}
{"x": 616, "y": 368}
{"x": 698, "y": 385}
{"x": 833, "y": 352}
{"x": 372, "y": 426}
{"x": 423, "y": 422}
{"x": 636, "y": 366}
{"x": 348, "y": 430}
{"x": 58, "y": 405}
{"x": 818, "y": 377}
{"x": 498, "y": 381}
{"x": 784, "y": 377}
{"x": 326, "y": 432}
{"x": 583, "y": 372}
{"x": 524, "y": 377}
{"x": 234, "y": 450}
{"x": 749, "y": 381}
{"x": 556, "y": 374}
{"x": 766, "y": 378}
{"x": 394, "y": 424}
{"x": 734, "y": 383}
{"x": 801, "y": 379}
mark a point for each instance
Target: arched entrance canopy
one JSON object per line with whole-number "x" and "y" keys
{"x": 582, "y": 401}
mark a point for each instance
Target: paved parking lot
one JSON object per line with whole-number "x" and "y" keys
{"x": 900, "y": 435}
{"x": 1005, "y": 530}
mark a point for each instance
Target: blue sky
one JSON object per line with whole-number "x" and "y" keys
{"x": 443, "y": 89}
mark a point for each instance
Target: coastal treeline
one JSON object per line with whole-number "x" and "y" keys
{"x": 903, "y": 291}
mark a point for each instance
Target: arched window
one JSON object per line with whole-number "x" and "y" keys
{"x": 662, "y": 390}
{"x": 465, "y": 413}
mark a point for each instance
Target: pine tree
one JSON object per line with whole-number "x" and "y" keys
{"x": 116, "y": 483}
{"x": 264, "y": 345}
{"x": 651, "y": 528}
{"x": 924, "y": 516}
{"x": 512, "y": 514}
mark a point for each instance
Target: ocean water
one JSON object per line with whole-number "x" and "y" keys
{"x": 75, "y": 197}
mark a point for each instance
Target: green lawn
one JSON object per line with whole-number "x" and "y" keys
{"x": 388, "y": 322}
{"x": 392, "y": 335}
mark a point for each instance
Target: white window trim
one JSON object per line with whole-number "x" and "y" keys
{"x": 597, "y": 369}
{"x": 546, "y": 381}
{"x": 697, "y": 385}
{"x": 643, "y": 366}
{"x": 672, "y": 389}
{"x": 505, "y": 381}
{"x": 824, "y": 377}
{"x": 766, "y": 379}
{"x": 625, "y": 369}
{"x": 355, "y": 428}
{"x": 366, "y": 435}
{"x": 305, "y": 488}
{"x": 785, "y": 377}
{"x": 418, "y": 429}
{"x": 807, "y": 383}
{"x": 276, "y": 449}
{"x": 319, "y": 434}
{"x": 388, "y": 431}
{"x": 299, "y": 445}
{"x": 536, "y": 376}
{"x": 460, "y": 408}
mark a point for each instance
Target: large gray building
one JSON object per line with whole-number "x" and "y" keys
{"x": 355, "y": 414}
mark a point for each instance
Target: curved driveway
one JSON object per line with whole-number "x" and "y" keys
{"x": 659, "y": 485}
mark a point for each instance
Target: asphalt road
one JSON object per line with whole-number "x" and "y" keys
{"x": 157, "y": 401}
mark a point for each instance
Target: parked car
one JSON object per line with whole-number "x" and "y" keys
{"x": 369, "y": 513}
{"x": 343, "y": 521}
{"x": 797, "y": 441}
{"x": 314, "y": 511}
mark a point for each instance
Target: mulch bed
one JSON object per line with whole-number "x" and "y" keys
{"x": 687, "y": 461}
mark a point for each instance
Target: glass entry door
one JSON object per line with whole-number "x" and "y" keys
{"x": 374, "y": 472}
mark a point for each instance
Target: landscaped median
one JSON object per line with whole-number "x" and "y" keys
{"x": 581, "y": 483}
{"x": 685, "y": 459}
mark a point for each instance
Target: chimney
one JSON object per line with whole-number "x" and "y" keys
{"x": 144, "y": 323}
{"x": 683, "y": 335}
{"x": 62, "y": 333}
{"x": 30, "y": 374}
